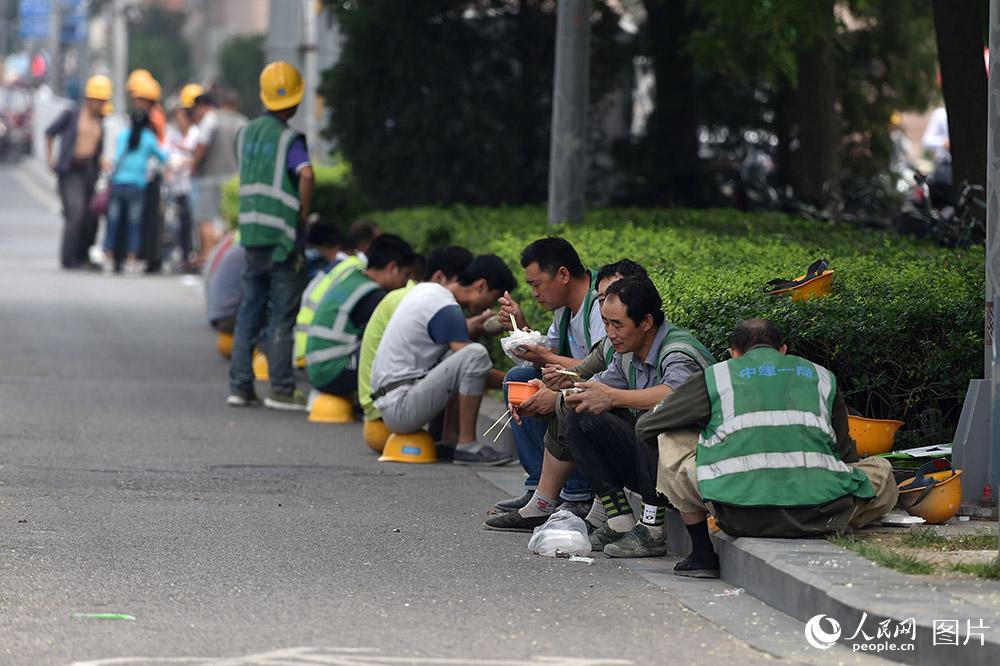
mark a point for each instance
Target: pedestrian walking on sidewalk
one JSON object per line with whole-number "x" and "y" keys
{"x": 81, "y": 133}
{"x": 276, "y": 187}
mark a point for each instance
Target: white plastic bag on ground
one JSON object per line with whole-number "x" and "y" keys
{"x": 564, "y": 534}
{"x": 519, "y": 339}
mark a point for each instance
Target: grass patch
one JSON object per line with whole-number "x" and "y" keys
{"x": 989, "y": 570}
{"x": 882, "y": 556}
{"x": 928, "y": 538}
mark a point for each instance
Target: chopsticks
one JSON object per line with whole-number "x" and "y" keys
{"x": 495, "y": 423}
{"x": 500, "y": 431}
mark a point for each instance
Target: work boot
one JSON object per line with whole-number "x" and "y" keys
{"x": 514, "y": 503}
{"x": 637, "y": 543}
{"x": 602, "y": 536}
{"x": 289, "y": 402}
{"x": 513, "y": 521}
{"x": 697, "y": 568}
{"x": 243, "y": 398}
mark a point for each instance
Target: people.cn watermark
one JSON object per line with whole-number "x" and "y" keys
{"x": 823, "y": 632}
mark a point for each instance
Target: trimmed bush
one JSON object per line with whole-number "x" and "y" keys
{"x": 903, "y": 330}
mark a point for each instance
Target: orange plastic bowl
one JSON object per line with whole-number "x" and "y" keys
{"x": 873, "y": 436}
{"x": 518, "y": 392}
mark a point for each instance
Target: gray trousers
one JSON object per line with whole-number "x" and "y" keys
{"x": 410, "y": 408}
{"x": 76, "y": 188}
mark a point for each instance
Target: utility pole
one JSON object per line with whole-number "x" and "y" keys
{"x": 570, "y": 102}
{"x": 54, "y": 71}
{"x": 119, "y": 53}
{"x": 310, "y": 64}
{"x": 992, "y": 241}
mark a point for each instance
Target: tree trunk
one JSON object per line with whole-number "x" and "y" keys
{"x": 819, "y": 124}
{"x": 673, "y": 126}
{"x": 959, "y": 25}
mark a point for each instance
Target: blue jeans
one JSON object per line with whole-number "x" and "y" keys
{"x": 529, "y": 437}
{"x": 273, "y": 291}
{"x": 125, "y": 206}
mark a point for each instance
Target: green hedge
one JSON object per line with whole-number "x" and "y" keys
{"x": 902, "y": 331}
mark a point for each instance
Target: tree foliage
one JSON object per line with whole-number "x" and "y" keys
{"x": 444, "y": 101}
{"x": 156, "y": 43}
{"x": 241, "y": 58}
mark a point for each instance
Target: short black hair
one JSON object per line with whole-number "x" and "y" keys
{"x": 491, "y": 268}
{"x": 752, "y": 332}
{"x": 451, "y": 261}
{"x": 387, "y": 248}
{"x": 324, "y": 235}
{"x": 640, "y": 297}
{"x": 360, "y": 231}
{"x": 551, "y": 254}
{"x": 623, "y": 267}
{"x": 205, "y": 99}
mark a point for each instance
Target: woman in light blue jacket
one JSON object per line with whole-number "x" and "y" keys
{"x": 128, "y": 188}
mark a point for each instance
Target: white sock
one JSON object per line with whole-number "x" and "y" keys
{"x": 597, "y": 516}
{"x": 652, "y": 518}
{"x": 470, "y": 447}
{"x": 538, "y": 505}
{"x": 622, "y": 523}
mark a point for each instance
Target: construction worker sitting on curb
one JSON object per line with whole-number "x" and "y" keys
{"x": 762, "y": 442}
{"x": 334, "y": 337}
{"x": 414, "y": 377}
{"x": 276, "y": 187}
{"x": 359, "y": 236}
{"x": 323, "y": 244}
{"x": 557, "y": 464}
{"x": 652, "y": 358}
{"x": 561, "y": 285}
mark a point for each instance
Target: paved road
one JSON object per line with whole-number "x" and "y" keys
{"x": 128, "y": 486}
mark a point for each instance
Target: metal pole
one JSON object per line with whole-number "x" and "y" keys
{"x": 54, "y": 71}
{"x": 570, "y": 101}
{"x": 119, "y": 54}
{"x": 992, "y": 241}
{"x": 311, "y": 74}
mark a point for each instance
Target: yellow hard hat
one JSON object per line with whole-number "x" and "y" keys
{"x": 872, "y": 436}
{"x": 934, "y": 496}
{"x": 376, "y": 433}
{"x": 413, "y": 447}
{"x": 137, "y": 75}
{"x": 146, "y": 89}
{"x": 98, "y": 87}
{"x": 260, "y": 366}
{"x": 190, "y": 93}
{"x": 327, "y": 408}
{"x": 281, "y": 86}
{"x": 224, "y": 344}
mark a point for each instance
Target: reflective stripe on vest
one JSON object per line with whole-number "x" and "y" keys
{"x": 337, "y": 333}
{"x": 265, "y": 220}
{"x": 758, "y": 461}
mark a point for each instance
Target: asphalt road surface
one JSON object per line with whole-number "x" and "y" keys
{"x": 128, "y": 486}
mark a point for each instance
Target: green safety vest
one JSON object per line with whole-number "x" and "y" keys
{"x": 313, "y": 296}
{"x": 333, "y": 337}
{"x": 588, "y": 303}
{"x": 770, "y": 439}
{"x": 269, "y": 201}
{"x": 677, "y": 340}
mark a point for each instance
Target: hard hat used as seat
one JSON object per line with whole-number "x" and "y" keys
{"x": 412, "y": 447}
{"x": 376, "y": 433}
{"x": 281, "y": 86}
{"x": 224, "y": 343}
{"x": 260, "y": 368}
{"x": 328, "y": 408}
{"x": 98, "y": 87}
{"x": 189, "y": 94}
{"x": 934, "y": 493}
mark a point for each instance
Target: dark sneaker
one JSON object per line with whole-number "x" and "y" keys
{"x": 580, "y": 509}
{"x": 487, "y": 456}
{"x": 602, "y": 536}
{"x": 693, "y": 568}
{"x": 637, "y": 543}
{"x": 242, "y": 398}
{"x": 514, "y": 503}
{"x": 445, "y": 451}
{"x": 291, "y": 402}
{"x": 513, "y": 521}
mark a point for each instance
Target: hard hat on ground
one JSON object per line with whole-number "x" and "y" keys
{"x": 224, "y": 343}
{"x": 189, "y": 94}
{"x": 281, "y": 86}
{"x": 376, "y": 433}
{"x": 935, "y": 496}
{"x": 873, "y": 436}
{"x": 98, "y": 87}
{"x": 146, "y": 89}
{"x": 327, "y": 408}
{"x": 412, "y": 447}
{"x": 260, "y": 366}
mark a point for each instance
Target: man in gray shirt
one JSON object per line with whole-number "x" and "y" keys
{"x": 426, "y": 361}
{"x": 652, "y": 358}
